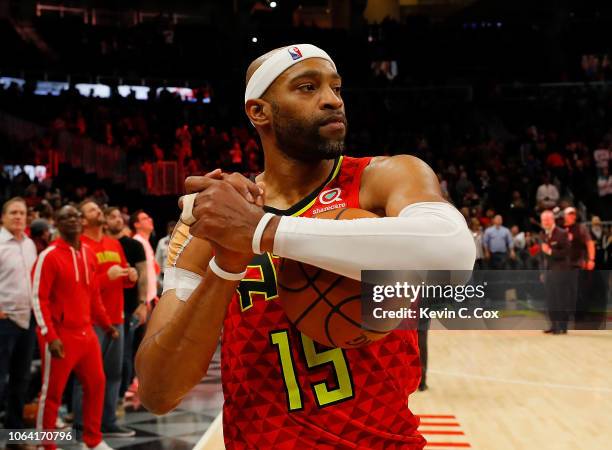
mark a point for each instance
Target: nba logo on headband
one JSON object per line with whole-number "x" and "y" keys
{"x": 295, "y": 53}
{"x": 277, "y": 63}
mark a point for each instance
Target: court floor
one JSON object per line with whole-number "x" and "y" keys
{"x": 488, "y": 390}
{"x": 518, "y": 390}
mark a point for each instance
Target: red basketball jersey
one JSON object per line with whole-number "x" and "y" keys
{"x": 284, "y": 391}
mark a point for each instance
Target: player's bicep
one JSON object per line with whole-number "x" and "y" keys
{"x": 391, "y": 184}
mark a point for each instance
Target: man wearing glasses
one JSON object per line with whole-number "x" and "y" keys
{"x": 65, "y": 300}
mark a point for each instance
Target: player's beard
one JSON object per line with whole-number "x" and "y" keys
{"x": 300, "y": 139}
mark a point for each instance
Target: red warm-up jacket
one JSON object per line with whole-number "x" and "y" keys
{"x": 65, "y": 290}
{"x": 108, "y": 253}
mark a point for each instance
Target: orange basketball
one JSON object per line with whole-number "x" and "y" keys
{"x": 323, "y": 305}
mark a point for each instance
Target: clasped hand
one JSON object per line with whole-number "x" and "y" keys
{"x": 227, "y": 209}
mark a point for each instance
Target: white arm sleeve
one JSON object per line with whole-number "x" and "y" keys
{"x": 425, "y": 236}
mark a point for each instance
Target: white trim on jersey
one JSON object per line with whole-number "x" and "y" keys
{"x": 36, "y": 286}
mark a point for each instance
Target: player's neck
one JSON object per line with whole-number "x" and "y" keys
{"x": 288, "y": 181}
{"x": 95, "y": 233}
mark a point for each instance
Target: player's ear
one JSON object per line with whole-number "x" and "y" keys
{"x": 258, "y": 111}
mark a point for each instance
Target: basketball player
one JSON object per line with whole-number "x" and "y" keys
{"x": 282, "y": 390}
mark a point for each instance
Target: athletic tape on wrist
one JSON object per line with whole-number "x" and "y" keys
{"x": 187, "y": 214}
{"x": 259, "y": 231}
{"x": 276, "y": 64}
{"x": 223, "y": 274}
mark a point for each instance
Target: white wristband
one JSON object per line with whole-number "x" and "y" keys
{"x": 223, "y": 274}
{"x": 187, "y": 215}
{"x": 259, "y": 231}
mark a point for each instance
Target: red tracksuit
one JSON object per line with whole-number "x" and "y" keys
{"x": 66, "y": 296}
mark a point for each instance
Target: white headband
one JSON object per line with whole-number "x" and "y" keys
{"x": 280, "y": 61}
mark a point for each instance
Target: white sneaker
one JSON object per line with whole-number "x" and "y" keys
{"x": 60, "y": 425}
{"x": 101, "y": 446}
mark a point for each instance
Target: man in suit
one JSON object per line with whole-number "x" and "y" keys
{"x": 556, "y": 247}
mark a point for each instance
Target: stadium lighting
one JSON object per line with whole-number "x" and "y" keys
{"x": 254, "y": 39}
{"x": 272, "y": 4}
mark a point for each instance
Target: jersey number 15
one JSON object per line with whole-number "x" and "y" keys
{"x": 323, "y": 394}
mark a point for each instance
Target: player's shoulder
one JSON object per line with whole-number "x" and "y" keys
{"x": 396, "y": 162}
{"x": 399, "y": 176}
{"x": 388, "y": 170}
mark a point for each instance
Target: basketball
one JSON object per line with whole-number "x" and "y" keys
{"x": 323, "y": 305}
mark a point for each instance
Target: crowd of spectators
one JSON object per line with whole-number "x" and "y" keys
{"x": 30, "y": 225}
{"x": 596, "y": 67}
{"x": 486, "y": 165}
{"x": 161, "y": 129}
{"x": 501, "y": 163}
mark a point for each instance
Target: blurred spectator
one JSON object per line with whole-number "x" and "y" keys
{"x": 604, "y": 189}
{"x": 487, "y": 220}
{"x": 555, "y": 247}
{"x": 161, "y": 252}
{"x": 66, "y": 300}
{"x": 141, "y": 225}
{"x": 597, "y": 281}
{"x": 582, "y": 254}
{"x": 463, "y": 183}
{"x": 519, "y": 244}
{"x": 547, "y": 194}
{"x": 602, "y": 157}
{"x": 581, "y": 259}
{"x": 236, "y": 156}
{"x": 40, "y": 234}
{"x": 125, "y": 214}
{"x": 31, "y": 196}
{"x": 497, "y": 242}
{"x": 113, "y": 275}
{"x": 477, "y": 235}
{"x": 518, "y": 239}
{"x": 601, "y": 237}
{"x": 135, "y": 298}
{"x": 471, "y": 197}
{"x": 32, "y": 216}
{"x": 100, "y": 197}
{"x": 183, "y": 150}
{"x": 17, "y": 256}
